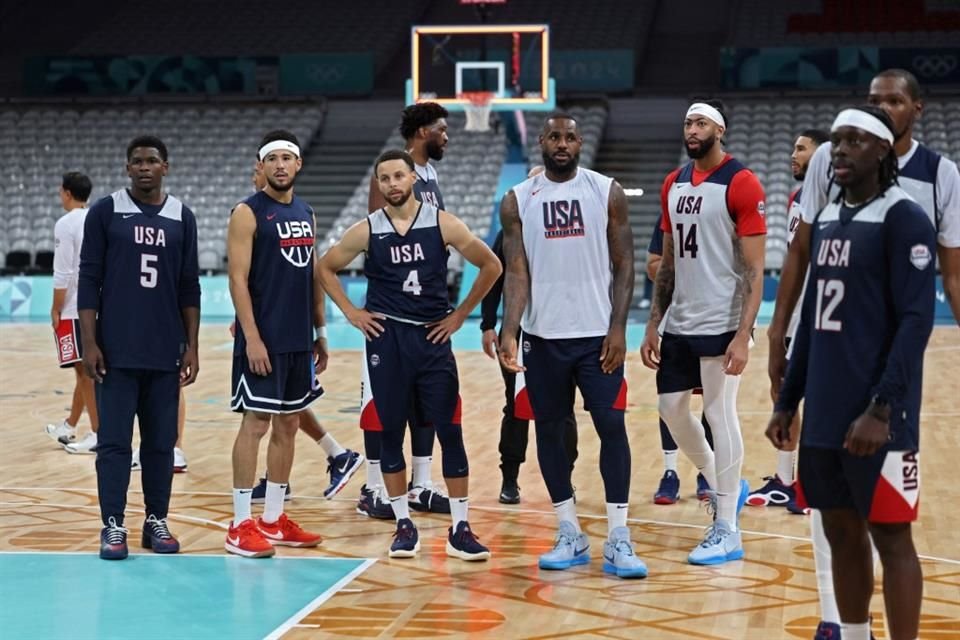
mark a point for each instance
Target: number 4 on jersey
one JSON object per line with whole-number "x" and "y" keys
{"x": 412, "y": 283}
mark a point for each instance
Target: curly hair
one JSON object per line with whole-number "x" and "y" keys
{"x": 418, "y": 115}
{"x": 889, "y": 167}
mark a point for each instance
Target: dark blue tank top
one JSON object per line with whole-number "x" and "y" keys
{"x": 426, "y": 189}
{"x": 407, "y": 274}
{"x": 281, "y": 275}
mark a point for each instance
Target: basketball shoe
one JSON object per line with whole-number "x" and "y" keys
{"x": 703, "y": 488}
{"x": 619, "y": 558}
{"x": 287, "y": 533}
{"x": 509, "y": 491}
{"x": 62, "y": 430}
{"x": 669, "y": 490}
{"x": 428, "y": 498}
{"x": 87, "y": 444}
{"x": 775, "y": 493}
{"x": 830, "y": 631}
{"x": 720, "y": 544}
{"x": 179, "y": 460}
{"x": 463, "y": 543}
{"x": 113, "y": 541}
{"x": 569, "y": 549}
{"x": 341, "y": 469}
{"x": 246, "y": 540}
{"x": 157, "y": 536}
{"x": 259, "y": 494}
{"x": 406, "y": 540}
{"x": 372, "y": 504}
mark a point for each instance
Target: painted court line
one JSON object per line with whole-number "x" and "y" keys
{"x": 293, "y": 620}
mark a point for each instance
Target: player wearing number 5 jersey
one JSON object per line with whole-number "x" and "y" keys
{"x": 408, "y": 322}
{"x": 139, "y": 306}
{"x": 708, "y": 292}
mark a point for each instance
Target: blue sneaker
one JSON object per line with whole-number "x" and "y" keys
{"x": 427, "y": 498}
{"x": 157, "y": 536}
{"x": 669, "y": 490}
{"x": 259, "y": 495}
{"x": 406, "y": 540}
{"x": 113, "y": 541}
{"x": 619, "y": 558}
{"x": 703, "y": 489}
{"x": 773, "y": 494}
{"x": 720, "y": 544}
{"x": 569, "y": 549}
{"x": 463, "y": 544}
{"x": 372, "y": 504}
{"x": 796, "y": 509}
{"x": 742, "y": 499}
{"x": 827, "y": 631}
{"x": 341, "y": 469}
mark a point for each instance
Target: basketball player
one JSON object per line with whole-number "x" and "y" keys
{"x": 668, "y": 492}
{"x": 407, "y": 323}
{"x": 139, "y": 302}
{"x": 179, "y": 457}
{"x": 75, "y": 190}
{"x": 858, "y": 362}
{"x": 424, "y": 130}
{"x": 514, "y": 431}
{"x": 276, "y": 359}
{"x": 569, "y": 257}
{"x": 930, "y": 179}
{"x": 707, "y": 293}
{"x": 341, "y": 463}
{"x": 779, "y": 490}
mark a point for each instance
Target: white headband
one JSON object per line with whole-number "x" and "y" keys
{"x": 703, "y": 109}
{"x": 278, "y": 144}
{"x": 862, "y": 120}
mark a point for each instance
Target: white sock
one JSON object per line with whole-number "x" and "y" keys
{"x": 330, "y": 446}
{"x": 241, "y": 505}
{"x": 567, "y": 510}
{"x": 688, "y": 433}
{"x": 401, "y": 507}
{"x": 374, "y": 477}
{"x": 616, "y": 516}
{"x": 458, "y": 510}
{"x": 421, "y": 470}
{"x": 850, "y": 631}
{"x": 822, "y": 561}
{"x": 785, "y": 460}
{"x": 670, "y": 460}
{"x": 273, "y": 502}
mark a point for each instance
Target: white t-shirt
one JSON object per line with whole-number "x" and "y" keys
{"x": 68, "y": 237}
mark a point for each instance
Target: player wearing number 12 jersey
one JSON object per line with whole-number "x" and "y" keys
{"x": 139, "y": 306}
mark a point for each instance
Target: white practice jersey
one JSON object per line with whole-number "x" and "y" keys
{"x": 68, "y": 238}
{"x": 565, "y": 239}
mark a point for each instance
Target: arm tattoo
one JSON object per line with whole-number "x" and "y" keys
{"x": 664, "y": 284}
{"x": 516, "y": 279}
{"x": 749, "y": 272}
{"x": 620, "y": 242}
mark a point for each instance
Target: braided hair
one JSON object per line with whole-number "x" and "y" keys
{"x": 889, "y": 167}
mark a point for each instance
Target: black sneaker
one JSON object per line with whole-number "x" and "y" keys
{"x": 428, "y": 498}
{"x": 157, "y": 536}
{"x": 509, "y": 492}
{"x": 259, "y": 495}
{"x": 463, "y": 543}
{"x": 372, "y": 504}
{"x": 113, "y": 541}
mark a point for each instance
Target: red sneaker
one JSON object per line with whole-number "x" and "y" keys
{"x": 287, "y": 533}
{"x": 246, "y": 540}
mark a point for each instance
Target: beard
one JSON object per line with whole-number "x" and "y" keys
{"x": 398, "y": 201}
{"x": 561, "y": 168}
{"x": 281, "y": 188}
{"x": 703, "y": 150}
{"x": 434, "y": 150}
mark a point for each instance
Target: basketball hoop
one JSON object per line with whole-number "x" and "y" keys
{"x": 477, "y": 109}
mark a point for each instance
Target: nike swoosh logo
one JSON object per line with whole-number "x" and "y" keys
{"x": 823, "y": 225}
{"x": 621, "y": 506}
{"x": 382, "y": 236}
{"x": 233, "y": 541}
{"x": 128, "y": 215}
{"x": 346, "y": 465}
{"x": 579, "y": 551}
{"x": 533, "y": 193}
{"x": 271, "y": 216}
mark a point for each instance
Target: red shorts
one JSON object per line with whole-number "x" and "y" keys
{"x": 67, "y": 337}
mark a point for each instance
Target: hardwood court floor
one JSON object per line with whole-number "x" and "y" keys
{"x": 49, "y": 504}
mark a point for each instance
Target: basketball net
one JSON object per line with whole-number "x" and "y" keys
{"x": 477, "y": 109}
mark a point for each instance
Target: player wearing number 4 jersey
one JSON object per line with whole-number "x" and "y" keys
{"x": 708, "y": 292}
{"x": 139, "y": 305}
{"x": 408, "y": 322}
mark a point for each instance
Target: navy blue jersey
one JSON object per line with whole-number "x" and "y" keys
{"x": 866, "y": 319}
{"x": 281, "y": 275}
{"x": 138, "y": 269}
{"x": 656, "y": 240}
{"x": 407, "y": 274}
{"x": 426, "y": 189}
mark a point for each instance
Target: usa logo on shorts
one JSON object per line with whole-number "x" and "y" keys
{"x": 374, "y": 360}
{"x": 526, "y": 346}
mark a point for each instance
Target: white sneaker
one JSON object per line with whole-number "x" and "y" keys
{"x": 135, "y": 460}
{"x": 179, "y": 460}
{"x": 88, "y": 444}
{"x": 62, "y": 432}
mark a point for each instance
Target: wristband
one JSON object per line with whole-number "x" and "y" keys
{"x": 322, "y": 332}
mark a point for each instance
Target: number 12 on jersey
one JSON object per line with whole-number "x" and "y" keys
{"x": 829, "y": 295}
{"x": 412, "y": 283}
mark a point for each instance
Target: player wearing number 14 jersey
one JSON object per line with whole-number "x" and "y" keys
{"x": 139, "y": 306}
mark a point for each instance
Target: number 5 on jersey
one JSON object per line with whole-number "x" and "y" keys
{"x": 412, "y": 283}
{"x": 148, "y": 272}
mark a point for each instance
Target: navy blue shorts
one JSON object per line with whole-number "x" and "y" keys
{"x": 883, "y": 488}
{"x": 403, "y": 370}
{"x": 680, "y": 359}
{"x": 555, "y": 367}
{"x": 290, "y": 387}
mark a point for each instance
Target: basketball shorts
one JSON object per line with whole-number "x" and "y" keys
{"x": 555, "y": 368}
{"x": 67, "y": 337}
{"x": 680, "y": 359}
{"x": 403, "y": 370}
{"x": 883, "y": 488}
{"x": 290, "y": 387}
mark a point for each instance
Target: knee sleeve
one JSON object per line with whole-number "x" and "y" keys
{"x": 614, "y": 454}
{"x": 453, "y": 455}
{"x": 371, "y": 444}
{"x": 552, "y": 456}
{"x": 391, "y": 451}
{"x": 421, "y": 439}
